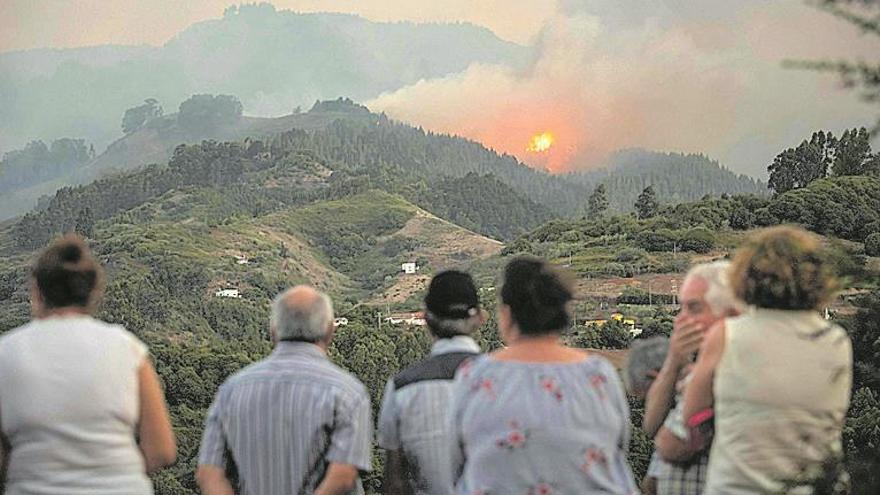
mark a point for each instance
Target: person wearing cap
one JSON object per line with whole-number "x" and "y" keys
{"x": 413, "y": 419}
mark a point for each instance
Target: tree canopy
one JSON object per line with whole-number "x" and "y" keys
{"x": 135, "y": 117}
{"x": 821, "y": 156}
{"x": 646, "y": 204}
{"x": 209, "y": 111}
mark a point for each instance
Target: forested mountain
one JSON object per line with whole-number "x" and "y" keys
{"x": 482, "y": 203}
{"x": 253, "y": 178}
{"x": 34, "y": 172}
{"x": 273, "y": 60}
{"x": 675, "y": 177}
{"x": 393, "y": 152}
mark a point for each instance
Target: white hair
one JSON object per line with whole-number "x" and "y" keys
{"x": 445, "y": 328}
{"x": 719, "y": 295}
{"x": 306, "y": 319}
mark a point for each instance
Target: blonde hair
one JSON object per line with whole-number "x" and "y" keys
{"x": 783, "y": 268}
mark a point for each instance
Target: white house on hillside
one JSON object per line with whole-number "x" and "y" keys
{"x": 228, "y": 292}
{"x": 409, "y": 267}
{"x": 416, "y": 319}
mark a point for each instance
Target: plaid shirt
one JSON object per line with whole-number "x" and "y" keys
{"x": 681, "y": 479}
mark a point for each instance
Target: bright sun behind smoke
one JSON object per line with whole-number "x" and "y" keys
{"x": 540, "y": 142}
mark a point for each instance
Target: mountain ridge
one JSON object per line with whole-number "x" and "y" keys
{"x": 272, "y": 59}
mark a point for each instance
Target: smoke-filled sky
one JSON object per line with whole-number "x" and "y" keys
{"x": 678, "y": 75}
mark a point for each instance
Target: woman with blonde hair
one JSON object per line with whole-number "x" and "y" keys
{"x": 81, "y": 408}
{"x": 778, "y": 376}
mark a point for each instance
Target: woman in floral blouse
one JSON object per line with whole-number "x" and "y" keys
{"x": 537, "y": 417}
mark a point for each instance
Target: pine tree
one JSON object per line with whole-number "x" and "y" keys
{"x": 647, "y": 205}
{"x": 853, "y": 153}
{"x": 597, "y": 205}
{"x": 85, "y": 223}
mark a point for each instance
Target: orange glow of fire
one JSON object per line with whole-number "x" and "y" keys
{"x": 540, "y": 142}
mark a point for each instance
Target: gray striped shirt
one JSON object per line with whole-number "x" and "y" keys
{"x": 415, "y": 415}
{"x": 284, "y": 419}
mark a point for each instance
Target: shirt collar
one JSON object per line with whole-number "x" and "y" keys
{"x": 287, "y": 348}
{"x": 459, "y": 343}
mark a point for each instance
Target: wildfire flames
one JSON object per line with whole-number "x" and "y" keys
{"x": 540, "y": 142}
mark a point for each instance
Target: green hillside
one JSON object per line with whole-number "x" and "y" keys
{"x": 676, "y": 178}
{"x": 441, "y": 172}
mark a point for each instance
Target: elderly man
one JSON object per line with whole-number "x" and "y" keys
{"x": 706, "y": 297}
{"x": 293, "y": 422}
{"x": 413, "y": 423}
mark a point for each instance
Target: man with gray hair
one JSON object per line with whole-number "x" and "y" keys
{"x": 706, "y": 298}
{"x": 414, "y": 422}
{"x": 293, "y": 422}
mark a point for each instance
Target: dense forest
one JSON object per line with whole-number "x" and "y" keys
{"x": 675, "y": 177}
{"x": 366, "y": 143}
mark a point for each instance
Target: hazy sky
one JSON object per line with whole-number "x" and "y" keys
{"x": 682, "y": 75}
{"x": 66, "y": 23}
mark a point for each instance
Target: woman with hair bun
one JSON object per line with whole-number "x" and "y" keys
{"x": 81, "y": 408}
{"x": 538, "y": 417}
{"x": 779, "y": 375}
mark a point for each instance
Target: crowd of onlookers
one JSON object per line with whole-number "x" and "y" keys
{"x": 748, "y": 395}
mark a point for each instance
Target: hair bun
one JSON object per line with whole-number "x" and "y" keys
{"x": 549, "y": 291}
{"x": 70, "y": 253}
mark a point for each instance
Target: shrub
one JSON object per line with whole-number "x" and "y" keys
{"x": 699, "y": 240}
{"x": 630, "y": 254}
{"x": 660, "y": 240}
{"x": 872, "y": 244}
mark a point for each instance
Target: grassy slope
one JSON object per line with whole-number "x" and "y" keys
{"x": 390, "y": 230}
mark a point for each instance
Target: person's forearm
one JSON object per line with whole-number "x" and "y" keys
{"x": 658, "y": 401}
{"x": 213, "y": 481}
{"x": 339, "y": 480}
{"x": 699, "y": 394}
{"x": 335, "y": 487}
{"x": 671, "y": 448}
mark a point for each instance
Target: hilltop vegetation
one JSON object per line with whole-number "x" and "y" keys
{"x": 846, "y": 208}
{"x": 35, "y": 172}
{"x": 675, "y": 177}
{"x": 345, "y": 132}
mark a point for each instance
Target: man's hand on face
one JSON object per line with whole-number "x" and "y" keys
{"x": 685, "y": 342}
